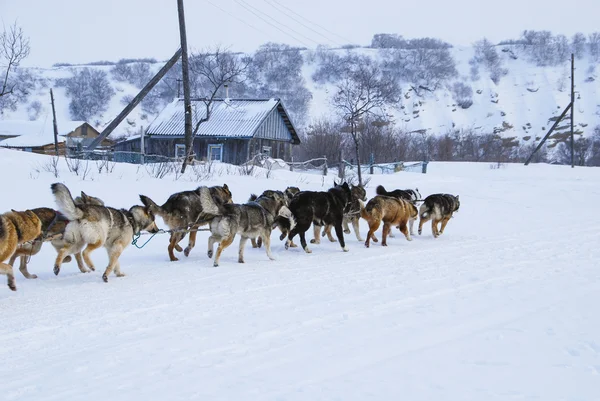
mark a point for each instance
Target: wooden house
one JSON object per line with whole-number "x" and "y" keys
{"x": 237, "y": 129}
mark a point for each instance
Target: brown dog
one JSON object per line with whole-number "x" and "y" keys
{"x": 392, "y": 211}
{"x": 16, "y": 228}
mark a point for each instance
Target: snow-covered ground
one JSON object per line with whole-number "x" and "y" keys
{"x": 502, "y": 306}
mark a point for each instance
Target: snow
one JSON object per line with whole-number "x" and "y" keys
{"x": 502, "y": 306}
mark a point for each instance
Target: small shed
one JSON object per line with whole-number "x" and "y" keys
{"x": 236, "y": 130}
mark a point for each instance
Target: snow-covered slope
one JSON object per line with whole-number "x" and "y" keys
{"x": 503, "y": 305}
{"x": 520, "y": 105}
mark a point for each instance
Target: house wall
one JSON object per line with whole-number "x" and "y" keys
{"x": 273, "y": 127}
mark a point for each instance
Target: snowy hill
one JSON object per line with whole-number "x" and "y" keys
{"x": 521, "y": 105}
{"x": 503, "y": 305}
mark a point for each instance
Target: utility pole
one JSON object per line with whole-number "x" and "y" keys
{"x": 54, "y": 123}
{"x": 178, "y": 87}
{"x": 186, "y": 86}
{"x": 572, "y": 109}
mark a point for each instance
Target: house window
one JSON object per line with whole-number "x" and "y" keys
{"x": 266, "y": 150}
{"x": 179, "y": 150}
{"x": 215, "y": 152}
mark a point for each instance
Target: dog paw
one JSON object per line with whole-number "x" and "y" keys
{"x": 287, "y": 244}
{"x": 360, "y": 240}
{"x": 272, "y": 258}
{"x": 67, "y": 259}
{"x": 408, "y": 238}
{"x": 105, "y": 278}
{"x": 173, "y": 259}
{"x": 419, "y": 232}
{"x": 347, "y": 231}
{"x": 292, "y": 245}
{"x": 383, "y": 244}
{"x": 11, "y": 284}
{"x": 215, "y": 264}
{"x": 375, "y": 239}
{"x": 345, "y": 249}
{"x": 120, "y": 274}
{"x": 241, "y": 261}
{"x": 187, "y": 251}
{"x": 314, "y": 241}
{"x": 178, "y": 248}
{"x": 307, "y": 250}
{"x": 281, "y": 237}
{"x": 92, "y": 268}
{"x": 56, "y": 270}
{"x": 210, "y": 254}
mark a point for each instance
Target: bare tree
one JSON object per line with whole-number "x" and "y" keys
{"x": 214, "y": 69}
{"x": 363, "y": 91}
{"x": 578, "y": 43}
{"x": 14, "y": 48}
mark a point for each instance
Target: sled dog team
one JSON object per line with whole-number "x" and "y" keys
{"x": 84, "y": 224}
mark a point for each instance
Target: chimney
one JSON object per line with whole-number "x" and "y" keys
{"x": 226, "y": 91}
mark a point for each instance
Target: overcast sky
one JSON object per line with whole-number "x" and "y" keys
{"x": 79, "y": 31}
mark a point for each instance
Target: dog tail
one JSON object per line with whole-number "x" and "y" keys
{"x": 65, "y": 202}
{"x": 380, "y": 190}
{"x": 285, "y": 220}
{"x": 363, "y": 211}
{"x": 424, "y": 211}
{"x": 209, "y": 206}
{"x": 253, "y": 197}
{"x": 151, "y": 205}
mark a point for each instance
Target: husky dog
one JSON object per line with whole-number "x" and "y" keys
{"x": 353, "y": 216}
{"x": 16, "y": 228}
{"x": 406, "y": 194}
{"x": 438, "y": 208}
{"x": 53, "y": 226}
{"x": 319, "y": 208}
{"x": 97, "y": 226}
{"x": 250, "y": 220}
{"x": 410, "y": 195}
{"x": 184, "y": 211}
{"x": 288, "y": 194}
{"x": 392, "y": 211}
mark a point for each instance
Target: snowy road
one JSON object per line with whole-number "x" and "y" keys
{"x": 502, "y": 306}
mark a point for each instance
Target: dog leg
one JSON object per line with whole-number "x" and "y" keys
{"x": 80, "y": 265}
{"x": 317, "y": 234}
{"x": 253, "y": 241}
{"x": 405, "y": 231}
{"x": 339, "y": 232}
{"x": 211, "y": 245}
{"x": 373, "y": 226}
{"x": 434, "y": 228}
{"x": 384, "y": 233}
{"x": 356, "y": 227}
{"x": 421, "y": 222}
{"x": 192, "y": 241}
{"x": 64, "y": 251}
{"x": 113, "y": 261}
{"x": 10, "y": 276}
{"x": 118, "y": 271}
{"x": 268, "y": 245}
{"x": 329, "y": 236}
{"x": 174, "y": 240}
{"x": 243, "y": 241}
{"x": 411, "y": 223}
{"x": 225, "y": 242}
{"x": 444, "y": 222}
{"x": 23, "y": 267}
{"x": 345, "y": 224}
{"x": 86, "y": 254}
{"x": 302, "y": 235}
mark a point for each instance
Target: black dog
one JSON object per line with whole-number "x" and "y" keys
{"x": 406, "y": 194}
{"x": 319, "y": 208}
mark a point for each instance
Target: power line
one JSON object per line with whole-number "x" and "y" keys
{"x": 276, "y": 7}
{"x": 237, "y": 18}
{"x": 314, "y": 23}
{"x": 249, "y": 8}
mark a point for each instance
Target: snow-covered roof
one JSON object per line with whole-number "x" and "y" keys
{"x": 233, "y": 118}
{"x": 34, "y": 133}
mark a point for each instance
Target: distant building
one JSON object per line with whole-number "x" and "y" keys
{"x": 236, "y": 130}
{"x": 38, "y": 136}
